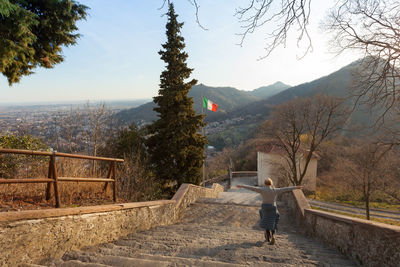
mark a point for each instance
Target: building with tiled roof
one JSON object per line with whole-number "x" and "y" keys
{"x": 272, "y": 162}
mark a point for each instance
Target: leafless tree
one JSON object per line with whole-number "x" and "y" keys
{"x": 390, "y": 185}
{"x": 218, "y": 164}
{"x": 71, "y": 126}
{"x": 195, "y": 4}
{"x": 301, "y": 125}
{"x": 98, "y": 127}
{"x": 283, "y": 15}
{"x": 365, "y": 169}
{"x": 373, "y": 28}
{"x": 389, "y": 132}
{"x": 54, "y": 129}
{"x": 368, "y": 27}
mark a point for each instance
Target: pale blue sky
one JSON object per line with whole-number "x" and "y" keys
{"x": 116, "y": 57}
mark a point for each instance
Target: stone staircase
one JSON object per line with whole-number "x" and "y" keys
{"x": 212, "y": 233}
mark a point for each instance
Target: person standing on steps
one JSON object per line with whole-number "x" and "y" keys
{"x": 269, "y": 213}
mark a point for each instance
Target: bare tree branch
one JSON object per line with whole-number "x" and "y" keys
{"x": 194, "y": 4}
{"x": 364, "y": 168}
{"x": 290, "y": 14}
{"x": 315, "y": 119}
{"x": 373, "y": 28}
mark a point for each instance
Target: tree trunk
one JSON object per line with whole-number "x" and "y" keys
{"x": 367, "y": 206}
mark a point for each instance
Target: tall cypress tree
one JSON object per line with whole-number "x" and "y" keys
{"x": 176, "y": 147}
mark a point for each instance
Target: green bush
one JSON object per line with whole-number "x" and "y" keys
{"x": 13, "y": 165}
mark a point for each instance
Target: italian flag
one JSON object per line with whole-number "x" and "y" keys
{"x": 208, "y": 104}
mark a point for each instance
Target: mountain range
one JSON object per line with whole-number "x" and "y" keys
{"x": 228, "y": 99}
{"x": 249, "y": 108}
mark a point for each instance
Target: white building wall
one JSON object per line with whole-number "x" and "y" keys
{"x": 310, "y": 179}
{"x": 262, "y": 167}
{"x": 267, "y": 166}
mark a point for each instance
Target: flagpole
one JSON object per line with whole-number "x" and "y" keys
{"x": 202, "y": 131}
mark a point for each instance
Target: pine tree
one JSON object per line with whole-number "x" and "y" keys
{"x": 176, "y": 147}
{"x": 33, "y": 32}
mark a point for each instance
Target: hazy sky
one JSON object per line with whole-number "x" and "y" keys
{"x": 116, "y": 57}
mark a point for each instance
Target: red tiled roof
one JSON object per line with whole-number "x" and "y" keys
{"x": 275, "y": 148}
{"x": 271, "y": 148}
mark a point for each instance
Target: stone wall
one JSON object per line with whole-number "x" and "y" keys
{"x": 297, "y": 204}
{"x": 368, "y": 243}
{"x": 188, "y": 194}
{"x": 35, "y": 236}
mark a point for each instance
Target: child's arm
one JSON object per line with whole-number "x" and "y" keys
{"x": 287, "y": 189}
{"x": 248, "y": 187}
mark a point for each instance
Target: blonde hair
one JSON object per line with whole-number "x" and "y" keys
{"x": 268, "y": 182}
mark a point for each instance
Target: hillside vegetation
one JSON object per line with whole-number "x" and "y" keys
{"x": 227, "y": 99}
{"x": 240, "y": 112}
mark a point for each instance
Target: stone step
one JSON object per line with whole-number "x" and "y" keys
{"x": 178, "y": 240}
{"x": 195, "y": 252}
{"x": 198, "y": 232}
{"x": 145, "y": 260}
{"x": 236, "y": 253}
{"x": 74, "y": 263}
{"x": 30, "y": 265}
{"x": 265, "y": 260}
{"x": 212, "y": 235}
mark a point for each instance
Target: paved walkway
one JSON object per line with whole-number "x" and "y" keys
{"x": 221, "y": 232}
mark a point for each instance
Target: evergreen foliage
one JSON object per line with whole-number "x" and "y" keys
{"x": 6, "y": 8}
{"x": 10, "y": 164}
{"x": 176, "y": 147}
{"x": 128, "y": 143}
{"x": 22, "y": 142}
{"x": 33, "y": 33}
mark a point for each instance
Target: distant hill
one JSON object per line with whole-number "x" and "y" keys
{"x": 227, "y": 99}
{"x": 234, "y": 103}
{"x": 337, "y": 83}
{"x": 138, "y": 115}
{"x": 270, "y": 90}
{"x": 240, "y": 112}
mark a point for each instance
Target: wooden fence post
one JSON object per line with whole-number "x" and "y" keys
{"x": 114, "y": 176}
{"x": 230, "y": 177}
{"x": 49, "y": 175}
{"x": 108, "y": 176}
{"x": 52, "y": 176}
{"x": 54, "y": 171}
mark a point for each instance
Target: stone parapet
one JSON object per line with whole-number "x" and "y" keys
{"x": 297, "y": 204}
{"x": 35, "y": 236}
{"x": 368, "y": 243}
{"x": 189, "y": 193}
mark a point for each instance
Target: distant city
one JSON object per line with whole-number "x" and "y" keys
{"x": 50, "y": 121}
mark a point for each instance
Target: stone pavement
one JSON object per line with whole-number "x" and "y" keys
{"x": 221, "y": 232}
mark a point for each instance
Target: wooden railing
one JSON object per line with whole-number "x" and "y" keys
{"x": 52, "y": 177}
